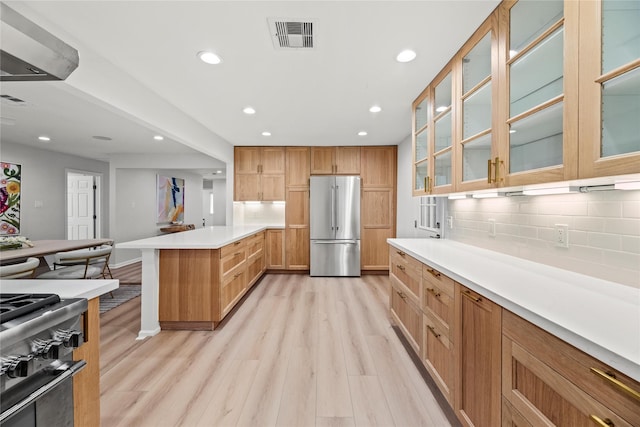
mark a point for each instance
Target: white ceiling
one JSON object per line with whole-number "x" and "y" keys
{"x": 139, "y": 75}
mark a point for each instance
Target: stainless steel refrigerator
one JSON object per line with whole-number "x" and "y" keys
{"x": 335, "y": 225}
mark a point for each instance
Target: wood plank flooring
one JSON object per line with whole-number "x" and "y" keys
{"x": 300, "y": 351}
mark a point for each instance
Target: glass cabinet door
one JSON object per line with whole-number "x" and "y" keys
{"x": 420, "y": 153}
{"x": 476, "y": 100}
{"x": 610, "y": 88}
{"x": 542, "y": 101}
{"x": 442, "y": 134}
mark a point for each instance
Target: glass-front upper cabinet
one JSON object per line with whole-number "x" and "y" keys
{"x": 478, "y": 144}
{"x": 420, "y": 139}
{"x": 609, "y": 88}
{"x": 441, "y": 148}
{"x": 541, "y": 105}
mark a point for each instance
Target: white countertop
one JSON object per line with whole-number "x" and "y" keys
{"x": 599, "y": 317}
{"x": 213, "y": 237}
{"x": 88, "y": 289}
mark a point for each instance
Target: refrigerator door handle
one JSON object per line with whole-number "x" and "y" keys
{"x": 333, "y": 199}
{"x": 334, "y": 242}
{"x": 336, "y": 209}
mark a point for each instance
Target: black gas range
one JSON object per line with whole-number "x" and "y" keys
{"x": 38, "y": 333}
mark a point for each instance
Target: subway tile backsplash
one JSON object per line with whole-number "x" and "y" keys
{"x": 604, "y": 230}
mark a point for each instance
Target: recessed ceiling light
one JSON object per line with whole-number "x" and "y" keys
{"x": 441, "y": 108}
{"x": 158, "y": 137}
{"x": 362, "y": 133}
{"x": 265, "y": 133}
{"x": 102, "y": 138}
{"x": 375, "y": 109}
{"x": 209, "y": 57}
{"x": 406, "y": 56}
{"x": 512, "y": 131}
{"x": 249, "y": 110}
{"x": 44, "y": 138}
{"x": 218, "y": 172}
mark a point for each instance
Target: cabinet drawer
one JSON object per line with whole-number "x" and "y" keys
{"x": 408, "y": 270}
{"x": 437, "y": 294}
{"x": 406, "y": 314}
{"x": 232, "y": 260}
{"x": 231, "y": 247}
{"x": 578, "y": 368}
{"x": 231, "y": 290}
{"x": 255, "y": 244}
{"x": 438, "y": 354}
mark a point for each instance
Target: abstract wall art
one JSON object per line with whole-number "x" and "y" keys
{"x": 170, "y": 196}
{"x": 10, "y": 199}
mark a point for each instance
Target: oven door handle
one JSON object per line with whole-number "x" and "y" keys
{"x": 69, "y": 372}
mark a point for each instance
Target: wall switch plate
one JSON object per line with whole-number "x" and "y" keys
{"x": 450, "y": 222}
{"x": 562, "y": 235}
{"x": 492, "y": 227}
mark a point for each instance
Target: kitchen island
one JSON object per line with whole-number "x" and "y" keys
{"x": 184, "y": 260}
{"x": 86, "y": 383}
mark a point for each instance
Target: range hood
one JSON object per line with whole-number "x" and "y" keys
{"x": 30, "y": 53}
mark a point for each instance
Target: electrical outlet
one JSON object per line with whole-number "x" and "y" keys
{"x": 450, "y": 222}
{"x": 492, "y": 227}
{"x": 562, "y": 235}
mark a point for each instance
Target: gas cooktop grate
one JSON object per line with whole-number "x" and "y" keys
{"x": 16, "y": 305}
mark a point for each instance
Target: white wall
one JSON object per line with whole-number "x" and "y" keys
{"x": 44, "y": 180}
{"x": 219, "y": 202}
{"x": 135, "y": 206}
{"x": 604, "y": 230}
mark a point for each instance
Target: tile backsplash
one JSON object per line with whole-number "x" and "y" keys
{"x": 254, "y": 213}
{"x": 603, "y": 230}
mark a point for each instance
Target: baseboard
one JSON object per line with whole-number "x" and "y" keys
{"x": 125, "y": 263}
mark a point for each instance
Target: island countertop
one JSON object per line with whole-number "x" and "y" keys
{"x": 88, "y": 289}
{"x": 599, "y": 317}
{"x": 213, "y": 237}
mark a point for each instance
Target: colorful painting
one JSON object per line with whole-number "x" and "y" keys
{"x": 170, "y": 193}
{"x": 10, "y": 199}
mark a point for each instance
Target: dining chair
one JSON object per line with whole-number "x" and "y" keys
{"x": 77, "y": 257}
{"x": 81, "y": 264}
{"x": 22, "y": 270}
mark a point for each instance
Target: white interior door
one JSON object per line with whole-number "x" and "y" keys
{"x": 80, "y": 207}
{"x": 207, "y": 208}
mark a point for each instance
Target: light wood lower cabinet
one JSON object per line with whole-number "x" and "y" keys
{"x": 478, "y": 359}
{"x": 406, "y": 313}
{"x": 199, "y": 287}
{"x": 550, "y": 382}
{"x": 275, "y": 250}
{"x": 86, "y": 383}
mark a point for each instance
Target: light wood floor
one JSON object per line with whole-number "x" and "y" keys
{"x": 299, "y": 351}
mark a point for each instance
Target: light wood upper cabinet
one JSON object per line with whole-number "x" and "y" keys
{"x": 335, "y": 160}
{"x": 298, "y": 166}
{"x": 540, "y": 95}
{"x": 378, "y": 166}
{"x": 609, "y": 88}
{"x": 259, "y": 173}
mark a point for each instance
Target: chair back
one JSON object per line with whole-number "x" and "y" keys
{"x": 20, "y": 270}
{"x": 96, "y": 257}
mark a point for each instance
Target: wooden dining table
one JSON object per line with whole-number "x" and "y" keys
{"x": 48, "y": 247}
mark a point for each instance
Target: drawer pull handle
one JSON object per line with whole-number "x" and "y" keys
{"x": 235, "y": 276}
{"x": 611, "y": 377}
{"x": 599, "y": 421}
{"x": 402, "y": 254}
{"x": 469, "y": 295}
{"x": 237, "y": 253}
{"x": 433, "y": 272}
{"x": 401, "y": 267}
{"x": 433, "y": 331}
{"x": 434, "y": 292}
{"x": 401, "y": 294}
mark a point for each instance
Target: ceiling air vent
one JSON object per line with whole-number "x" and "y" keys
{"x": 291, "y": 33}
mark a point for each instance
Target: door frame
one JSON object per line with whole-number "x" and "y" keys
{"x": 97, "y": 199}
